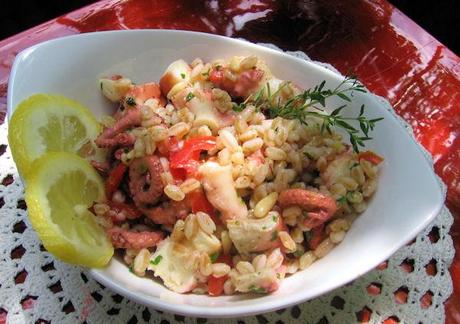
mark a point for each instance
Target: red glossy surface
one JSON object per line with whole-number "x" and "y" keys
{"x": 392, "y": 55}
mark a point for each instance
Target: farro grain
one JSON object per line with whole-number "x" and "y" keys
{"x": 252, "y": 145}
{"x": 265, "y": 205}
{"x": 259, "y": 262}
{"x": 229, "y": 140}
{"x": 190, "y": 185}
{"x": 226, "y": 242}
{"x": 287, "y": 241}
{"x": 324, "y": 248}
{"x": 220, "y": 270}
{"x": 141, "y": 261}
{"x": 191, "y": 226}
{"x": 205, "y": 222}
{"x": 306, "y": 260}
{"x": 337, "y": 237}
{"x": 244, "y": 267}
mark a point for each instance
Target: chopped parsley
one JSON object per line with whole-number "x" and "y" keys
{"x": 101, "y": 85}
{"x": 308, "y": 155}
{"x": 130, "y": 268}
{"x": 182, "y": 75}
{"x": 264, "y": 227}
{"x": 218, "y": 67}
{"x": 258, "y": 290}
{"x": 297, "y": 253}
{"x": 342, "y": 200}
{"x": 143, "y": 168}
{"x": 214, "y": 257}
{"x": 205, "y": 74}
{"x": 274, "y": 236}
{"x": 157, "y": 260}
{"x": 238, "y": 107}
{"x": 274, "y": 218}
{"x": 307, "y": 235}
{"x": 130, "y": 101}
{"x": 189, "y": 97}
{"x": 354, "y": 165}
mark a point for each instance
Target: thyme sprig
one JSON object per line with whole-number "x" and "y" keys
{"x": 311, "y": 103}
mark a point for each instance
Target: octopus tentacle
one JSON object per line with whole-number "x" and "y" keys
{"x": 126, "y": 239}
{"x": 113, "y": 136}
{"x": 319, "y": 207}
{"x": 169, "y": 212}
{"x": 244, "y": 84}
{"x": 145, "y": 182}
{"x": 101, "y": 167}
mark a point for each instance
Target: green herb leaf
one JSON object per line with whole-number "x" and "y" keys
{"x": 157, "y": 260}
{"x": 355, "y": 164}
{"x": 309, "y": 103}
{"x": 189, "y": 97}
{"x": 336, "y": 111}
{"x": 257, "y": 290}
{"x": 298, "y": 253}
{"x": 274, "y": 235}
{"x": 214, "y": 257}
{"x": 238, "y": 107}
{"x": 182, "y": 75}
{"x": 130, "y": 268}
{"x": 143, "y": 168}
{"x": 342, "y": 200}
{"x": 344, "y": 96}
{"x": 361, "y": 111}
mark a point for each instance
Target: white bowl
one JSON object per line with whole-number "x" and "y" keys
{"x": 407, "y": 199}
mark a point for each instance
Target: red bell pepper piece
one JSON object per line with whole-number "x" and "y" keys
{"x": 216, "y": 76}
{"x": 113, "y": 181}
{"x": 370, "y": 156}
{"x": 167, "y": 146}
{"x": 216, "y": 285}
{"x": 187, "y": 157}
{"x": 199, "y": 202}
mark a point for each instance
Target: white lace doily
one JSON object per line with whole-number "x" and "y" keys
{"x": 36, "y": 288}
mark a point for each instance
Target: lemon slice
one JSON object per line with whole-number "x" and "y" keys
{"x": 61, "y": 187}
{"x": 44, "y": 123}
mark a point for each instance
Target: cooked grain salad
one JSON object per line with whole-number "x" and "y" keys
{"x": 224, "y": 179}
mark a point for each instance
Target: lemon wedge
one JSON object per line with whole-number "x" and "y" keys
{"x": 61, "y": 186}
{"x": 49, "y": 123}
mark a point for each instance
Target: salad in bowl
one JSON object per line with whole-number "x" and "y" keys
{"x": 222, "y": 178}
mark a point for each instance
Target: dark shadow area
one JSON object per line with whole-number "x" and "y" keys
{"x": 439, "y": 18}
{"x": 20, "y": 15}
